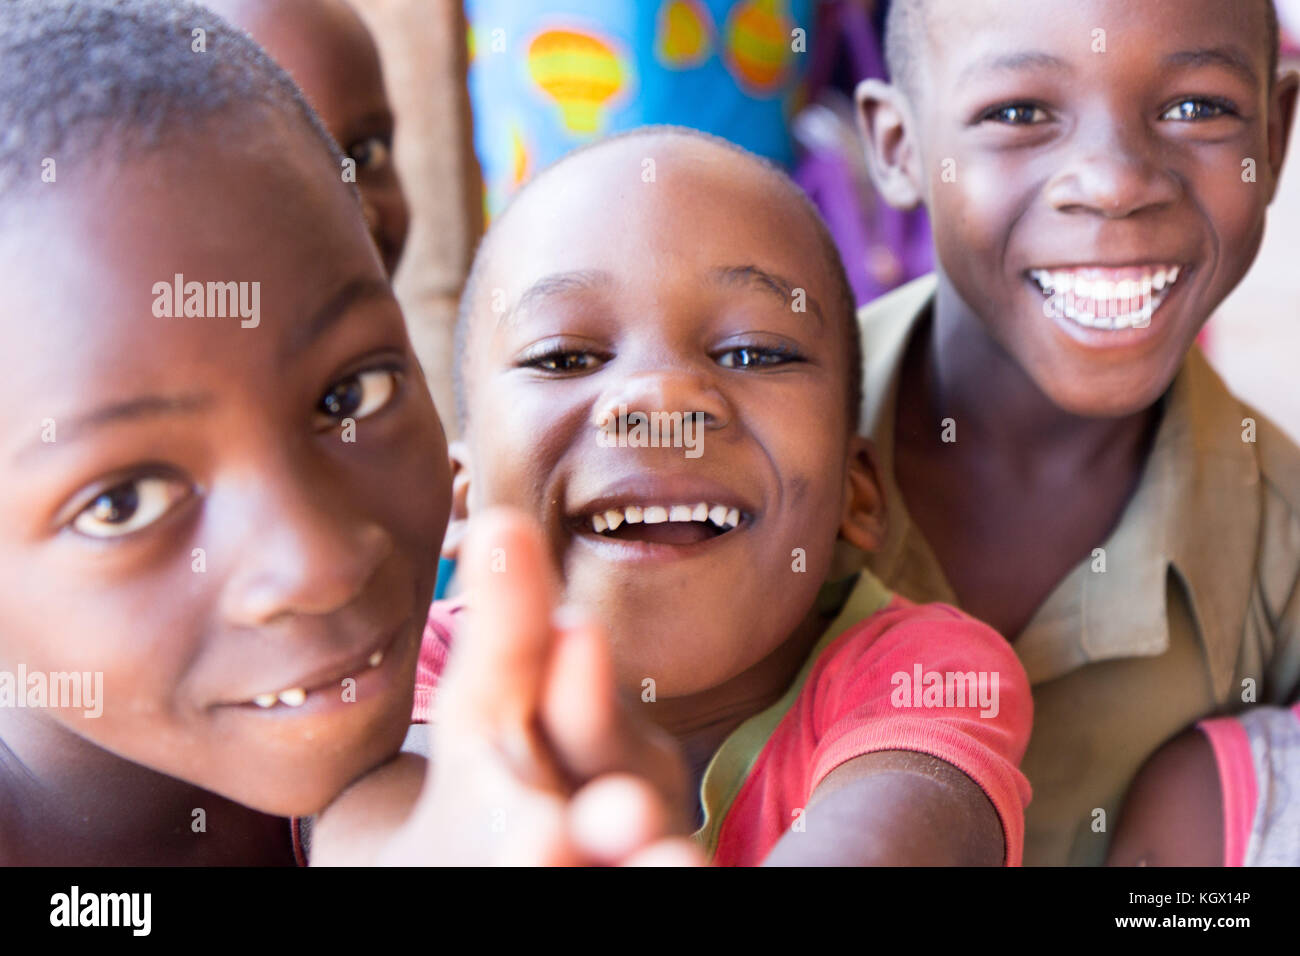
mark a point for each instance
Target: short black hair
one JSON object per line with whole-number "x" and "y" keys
{"x": 905, "y": 32}
{"x": 78, "y": 77}
{"x": 844, "y": 309}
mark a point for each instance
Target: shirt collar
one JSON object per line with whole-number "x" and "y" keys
{"x": 1196, "y": 514}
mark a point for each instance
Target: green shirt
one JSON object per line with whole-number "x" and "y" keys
{"x": 1196, "y": 613}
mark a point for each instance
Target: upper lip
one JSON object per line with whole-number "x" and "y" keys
{"x": 326, "y": 673}
{"x": 659, "y": 490}
{"x": 1147, "y": 263}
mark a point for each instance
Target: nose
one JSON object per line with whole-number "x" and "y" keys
{"x": 667, "y": 389}
{"x": 304, "y": 551}
{"x": 1114, "y": 175}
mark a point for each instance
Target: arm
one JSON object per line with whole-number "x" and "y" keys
{"x": 1173, "y": 814}
{"x": 895, "y": 808}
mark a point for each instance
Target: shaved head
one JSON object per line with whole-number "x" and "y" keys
{"x": 473, "y": 304}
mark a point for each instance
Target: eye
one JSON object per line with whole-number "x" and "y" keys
{"x": 371, "y": 154}
{"x": 1016, "y": 114}
{"x": 563, "y": 361}
{"x": 750, "y": 356}
{"x": 358, "y": 396}
{"x": 130, "y": 506}
{"x": 1195, "y": 108}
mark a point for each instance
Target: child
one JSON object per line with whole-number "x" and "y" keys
{"x": 667, "y": 273}
{"x": 1221, "y": 794}
{"x": 1059, "y": 459}
{"x": 224, "y": 472}
{"x": 332, "y": 57}
{"x": 224, "y": 476}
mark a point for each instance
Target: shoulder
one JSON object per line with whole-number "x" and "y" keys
{"x": 1176, "y": 793}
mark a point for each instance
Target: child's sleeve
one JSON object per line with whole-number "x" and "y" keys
{"x": 935, "y": 681}
{"x": 435, "y": 645}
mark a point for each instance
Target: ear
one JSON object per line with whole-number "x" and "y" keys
{"x": 863, "y": 524}
{"x": 1281, "y": 117}
{"x": 889, "y": 138}
{"x": 460, "y": 489}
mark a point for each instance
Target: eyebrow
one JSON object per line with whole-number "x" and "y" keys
{"x": 352, "y": 293}
{"x": 556, "y": 284}
{"x": 1231, "y": 58}
{"x": 1016, "y": 62}
{"x": 764, "y": 281}
{"x": 140, "y": 408}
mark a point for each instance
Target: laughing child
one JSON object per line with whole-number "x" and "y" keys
{"x": 667, "y": 273}
{"x": 1058, "y": 458}
{"x": 332, "y": 57}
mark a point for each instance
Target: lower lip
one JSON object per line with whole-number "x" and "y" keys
{"x": 1102, "y": 339}
{"x": 372, "y": 686}
{"x": 646, "y": 552}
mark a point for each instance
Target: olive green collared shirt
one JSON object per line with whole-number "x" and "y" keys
{"x": 1196, "y": 613}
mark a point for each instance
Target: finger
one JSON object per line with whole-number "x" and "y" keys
{"x": 677, "y": 851}
{"x": 614, "y": 817}
{"x": 581, "y": 715}
{"x": 498, "y": 665}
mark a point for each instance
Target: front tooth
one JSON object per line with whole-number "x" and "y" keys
{"x": 679, "y": 513}
{"x": 634, "y": 514}
{"x": 264, "y": 700}
{"x": 375, "y": 659}
{"x": 701, "y": 512}
{"x": 294, "y": 697}
{"x": 613, "y": 518}
{"x": 1083, "y": 289}
{"x": 656, "y": 514}
{"x": 733, "y": 517}
{"x": 1063, "y": 282}
{"x": 598, "y": 523}
{"x": 718, "y": 515}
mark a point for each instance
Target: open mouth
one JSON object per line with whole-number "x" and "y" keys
{"x": 296, "y": 696}
{"x": 1110, "y": 299}
{"x": 675, "y": 524}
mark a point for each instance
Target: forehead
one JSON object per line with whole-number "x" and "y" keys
{"x": 965, "y": 39}
{"x": 657, "y": 211}
{"x": 85, "y": 257}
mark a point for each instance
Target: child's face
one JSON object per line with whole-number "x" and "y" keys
{"x": 185, "y": 509}
{"x": 332, "y": 57}
{"x": 666, "y": 296}
{"x": 1053, "y": 154}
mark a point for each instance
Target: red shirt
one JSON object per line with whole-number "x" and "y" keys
{"x": 886, "y": 675}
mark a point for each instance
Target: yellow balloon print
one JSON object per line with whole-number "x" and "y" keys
{"x": 580, "y": 72}
{"x": 684, "y": 34}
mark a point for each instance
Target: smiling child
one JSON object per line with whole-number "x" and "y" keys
{"x": 1058, "y": 458}
{"x": 332, "y": 57}
{"x": 229, "y": 521}
{"x": 664, "y": 272}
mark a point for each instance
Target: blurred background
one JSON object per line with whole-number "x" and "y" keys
{"x": 487, "y": 92}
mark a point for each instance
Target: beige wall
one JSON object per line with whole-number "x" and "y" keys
{"x": 422, "y": 43}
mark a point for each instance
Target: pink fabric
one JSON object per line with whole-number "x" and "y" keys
{"x": 1237, "y": 783}
{"x": 434, "y": 647}
{"x": 850, "y": 706}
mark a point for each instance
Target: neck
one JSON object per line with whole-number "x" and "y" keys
{"x": 701, "y": 722}
{"x": 67, "y": 801}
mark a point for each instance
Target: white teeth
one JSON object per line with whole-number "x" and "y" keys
{"x": 1159, "y": 279}
{"x": 1102, "y": 304}
{"x": 720, "y": 515}
{"x": 1173, "y": 274}
{"x": 375, "y": 659}
{"x": 294, "y": 697}
{"x": 264, "y": 700}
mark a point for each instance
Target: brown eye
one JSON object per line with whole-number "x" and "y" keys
{"x": 371, "y": 154}
{"x": 357, "y": 396}
{"x": 128, "y": 507}
{"x": 1017, "y": 114}
{"x": 751, "y": 357}
{"x": 561, "y": 361}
